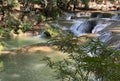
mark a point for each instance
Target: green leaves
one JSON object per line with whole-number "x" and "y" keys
{"x": 2, "y": 44}
{"x": 1, "y": 66}
{"x": 54, "y": 30}
{"x": 1, "y": 47}
{"x": 25, "y": 26}
{"x": 87, "y": 61}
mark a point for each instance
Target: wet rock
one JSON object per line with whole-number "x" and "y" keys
{"x": 101, "y": 15}
{"x": 45, "y": 34}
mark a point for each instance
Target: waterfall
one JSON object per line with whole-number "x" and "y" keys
{"x": 116, "y": 17}
{"x": 74, "y": 27}
{"x": 105, "y": 37}
{"x": 79, "y": 29}
{"x": 68, "y": 16}
{"x": 117, "y": 46}
{"x": 99, "y": 16}
{"x": 101, "y": 24}
{"x": 97, "y": 26}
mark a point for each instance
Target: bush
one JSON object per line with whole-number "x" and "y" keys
{"x": 41, "y": 18}
{"x": 25, "y": 26}
{"x": 12, "y": 23}
{"x": 88, "y": 61}
{"x": 2, "y": 44}
{"x": 54, "y": 29}
{"x": 4, "y": 32}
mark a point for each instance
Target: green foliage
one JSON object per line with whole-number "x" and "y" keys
{"x": 1, "y": 47}
{"x": 15, "y": 3}
{"x": 1, "y": 66}
{"x": 3, "y": 32}
{"x": 54, "y": 29}
{"x": 25, "y": 26}
{"x": 2, "y": 44}
{"x": 16, "y": 25}
{"x": 87, "y": 61}
{"x": 41, "y": 18}
{"x": 56, "y": 13}
{"x": 12, "y": 22}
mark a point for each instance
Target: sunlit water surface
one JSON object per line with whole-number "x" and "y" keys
{"x": 28, "y": 66}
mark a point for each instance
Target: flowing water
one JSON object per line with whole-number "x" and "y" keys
{"x": 30, "y": 67}
{"x": 99, "y": 26}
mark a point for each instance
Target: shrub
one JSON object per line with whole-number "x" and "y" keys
{"x": 88, "y": 61}
{"x": 25, "y": 26}
{"x": 12, "y": 23}
{"x": 54, "y": 29}
{"x": 4, "y": 32}
{"x": 41, "y": 18}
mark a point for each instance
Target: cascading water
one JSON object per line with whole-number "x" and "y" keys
{"x": 79, "y": 29}
{"x": 105, "y": 37}
{"x": 99, "y": 27}
{"x": 68, "y": 17}
{"x": 102, "y": 27}
{"x": 101, "y": 24}
{"x": 116, "y": 17}
{"x": 99, "y": 16}
{"x": 74, "y": 28}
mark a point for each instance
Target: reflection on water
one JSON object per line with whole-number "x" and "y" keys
{"x": 28, "y": 66}
{"x": 22, "y": 41}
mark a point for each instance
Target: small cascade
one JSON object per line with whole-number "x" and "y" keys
{"x": 105, "y": 37}
{"x": 101, "y": 24}
{"x": 66, "y": 16}
{"x": 43, "y": 34}
{"x": 99, "y": 16}
{"x": 75, "y": 24}
{"x": 116, "y": 17}
{"x": 69, "y": 16}
{"x": 98, "y": 26}
{"x": 82, "y": 28}
{"x": 117, "y": 46}
{"x": 74, "y": 28}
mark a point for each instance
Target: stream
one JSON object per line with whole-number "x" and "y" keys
{"x": 28, "y": 66}
{"x": 31, "y": 67}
